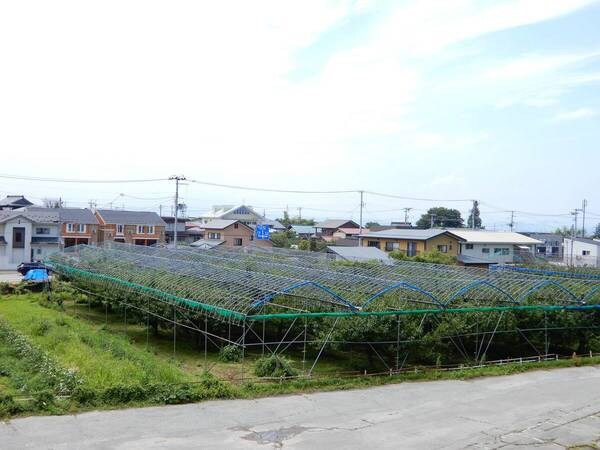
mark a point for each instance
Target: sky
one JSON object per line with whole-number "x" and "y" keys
{"x": 497, "y": 101}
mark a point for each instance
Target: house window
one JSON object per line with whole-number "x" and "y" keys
{"x": 214, "y": 235}
{"x": 235, "y": 225}
{"x": 501, "y": 251}
{"x": 145, "y": 229}
{"x": 389, "y": 246}
{"x": 120, "y": 228}
{"x": 42, "y": 231}
{"x": 585, "y": 252}
{"x": 373, "y": 244}
{"x": 469, "y": 246}
{"x": 38, "y": 251}
{"x": 485, "y": 250}
{"x": 505, "y": 251}
{"x": 76, "y": 228}
{"x": 442, "y": 248}
{"x": 237, "y": 242}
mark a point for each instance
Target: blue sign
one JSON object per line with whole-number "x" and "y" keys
{"x": 262, "y": 232}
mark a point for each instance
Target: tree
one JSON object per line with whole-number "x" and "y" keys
{"x": 372, "y": 224}
{"x": 597, "y": 232}
{"x": 568, "y": 231}
{"x": 52, "y": 202}
{"x": 441, "y": 217}
{"x": 286, "y": 220}
{"x": 474, "y": 215}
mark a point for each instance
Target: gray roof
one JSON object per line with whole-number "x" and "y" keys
{"x": 32, "y": 213}
{"x": 206, "y": 243}
{"x": 360, "y": 253}
{"x": 77, "y": 215}
{"x": 219, "y": 224}
{"x": 585, "y": 241}
{"x": 303, "y": 229}
{"x": 15, "y": 201}
{"x": 401, "y": 233}
{"x": 334, "y": 223}
{"x": 119, "y": 216}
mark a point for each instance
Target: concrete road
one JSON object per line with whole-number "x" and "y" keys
{"x": 545, "y": 409}
{"x": 11, "y": 276}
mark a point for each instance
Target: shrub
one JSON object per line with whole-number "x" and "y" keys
{"x": 274, "y": 366}
{"x": 84, "y": 396}
{"x": 230, "y": 353}
{"x": 43, "y": 400}
{"x": 8, "y": 406}
{"x": 41, "y": 328}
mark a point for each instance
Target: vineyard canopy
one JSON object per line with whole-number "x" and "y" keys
{"x": 253, "y": 283}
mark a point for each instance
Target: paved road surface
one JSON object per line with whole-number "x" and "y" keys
{"x": 10, "y": 276}
{"x": 544, "y": 409}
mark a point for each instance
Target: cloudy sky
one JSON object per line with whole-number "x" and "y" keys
{"x": 491, "y": 100}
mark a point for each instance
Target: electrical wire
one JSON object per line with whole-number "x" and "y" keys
{"x": 74, "y": 180}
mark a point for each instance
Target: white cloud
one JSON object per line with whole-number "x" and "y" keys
{"x": 580, "y": 113}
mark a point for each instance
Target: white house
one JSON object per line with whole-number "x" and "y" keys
{"x": 27, "y": 235}
{"x": 480, "y": 247}
{"x": 245, "y": 214}
{"x": 581, "y": 252}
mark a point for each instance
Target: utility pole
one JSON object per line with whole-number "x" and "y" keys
{"x": 177, "y": 179}
{"x": 406, "y": 210}
{"x": 160, "y": 210}
{"x": 583, "y": 207}
{"x": 573, "y": 232}
{"x": 431, "y": 220}
{"x": 300, "y": 212}
{"x": 512, "y": 220}
{"x": 360, "y": 227}
{"x": 473, "y": 215}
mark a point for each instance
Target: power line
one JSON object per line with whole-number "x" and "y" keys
{"x": 261, "y": 189}
{"x": 75, "y": 180}
{"x": 380, "y": 194}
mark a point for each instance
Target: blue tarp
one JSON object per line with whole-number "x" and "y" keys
{"x": 36, "y": 275}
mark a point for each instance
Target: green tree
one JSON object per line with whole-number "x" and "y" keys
{"x": 474, "y": 215}
{"x": 442, "y": 217}
{"x": 596, "y": 234}
{"x": 372, "y": 224}
{"x": 286, "y": 220}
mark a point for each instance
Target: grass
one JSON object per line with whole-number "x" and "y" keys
{"x": 101, "y": 358}
{"x": 118, "y": 369}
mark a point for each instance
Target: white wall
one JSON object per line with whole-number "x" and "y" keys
{"x": 11, "y": 257}
{"x": 499, "y": 258}
{"x": 579, "y": 259}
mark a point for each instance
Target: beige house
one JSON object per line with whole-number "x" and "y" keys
{"x": 228, "y": 233}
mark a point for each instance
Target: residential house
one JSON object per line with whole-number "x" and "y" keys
{"x": 482, "y": 248}
{"x": 77, "y": 226}
{"x": 183, "y": 236}
{"x": 327, "y": 228}
{"x": 412, "y": 241}
{"x": 359, "y": 254}
{"x": 242, "y": 213}
{"x": 131, "y": 227}
{"x": 27, "y": 234}
{"x": 14, "y": 202}
{"x": 582, "y": 252}
{"x": 229, "y": 233}
{"x": 551, "y": 246}
{"x": 347, "y": 233}
{"x": 303, "y": 231}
